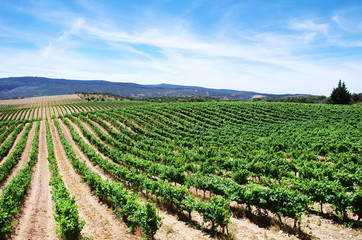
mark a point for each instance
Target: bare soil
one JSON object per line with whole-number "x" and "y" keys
{"x": 100, "y": 222}
{"x": 44, "y": 113}
{"x": 36, "y": 220}
{"x": 172, "y": 228}
{"x": 49, "y": 112}
{"x": 28, "y": 102}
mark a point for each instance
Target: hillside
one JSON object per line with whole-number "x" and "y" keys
{"x": 24, "y": 87}
{"x": 213, "y": 170}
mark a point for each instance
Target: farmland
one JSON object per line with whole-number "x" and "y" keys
{"x": 229, "y": 170}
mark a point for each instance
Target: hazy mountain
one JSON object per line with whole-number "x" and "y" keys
{"x": 18, "y": 87}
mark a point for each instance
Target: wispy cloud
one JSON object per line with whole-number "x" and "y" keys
{"x": 309, "y": 25}
{"x": 62, "y": 42}
{"x": 96, "y": 44}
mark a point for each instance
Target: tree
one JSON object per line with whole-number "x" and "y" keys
{"x": 357, "y": 97}
{"x": 341, "y": 95}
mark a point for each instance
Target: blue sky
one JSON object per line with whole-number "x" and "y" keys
{"x": 280, "y": 46}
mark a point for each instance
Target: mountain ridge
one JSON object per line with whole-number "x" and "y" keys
{"x": 28, "y": 86}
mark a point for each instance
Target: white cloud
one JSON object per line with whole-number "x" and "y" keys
{"x": 309, "y": 26}
{"x": 258, "y": 61}
{"x": 54, "y": 48}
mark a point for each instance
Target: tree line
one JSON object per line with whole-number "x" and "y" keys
{"x": 339, "y": 95}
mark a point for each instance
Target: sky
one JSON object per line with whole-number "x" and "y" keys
{"x": 279, "y": 46}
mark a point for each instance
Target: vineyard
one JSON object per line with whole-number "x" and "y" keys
{"x": 224, "y": 170}
{"x": 52, "y": 106}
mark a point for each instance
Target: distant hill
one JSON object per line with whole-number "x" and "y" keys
{"x": 24, "y": 87}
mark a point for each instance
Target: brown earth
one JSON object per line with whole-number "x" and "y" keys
{"x": 36, "y": 220}
{"x": 100, "y": 222}
{"x": 27, "y": 102}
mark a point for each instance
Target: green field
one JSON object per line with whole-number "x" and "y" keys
{"x": 207, "y": 162}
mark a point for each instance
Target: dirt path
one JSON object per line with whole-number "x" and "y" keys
{"x": 36, "y": 220}
{"x": 49, "y": 112}
{"x": 24, "y": 156}
{"x": 44, "y": 112}
{"x": 100, "y": 222}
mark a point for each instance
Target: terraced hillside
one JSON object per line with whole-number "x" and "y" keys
{"x": 229, "y": 170}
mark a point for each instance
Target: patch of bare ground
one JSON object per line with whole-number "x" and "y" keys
{"x": 312, "y": 227}
{"x": 36, "y": 220}
{"x": 26, "y": 102}
{"x": 245, "y": 229}
{"x": 172, "y": 228}
{"x": 14, "y": 144}
{"x": 322, "y": 228}
{"x": 100, "y": 222}
{"x": 50, "y": 112}
{"x": 24, "y": 156}
{"x": 44, "y": 112}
